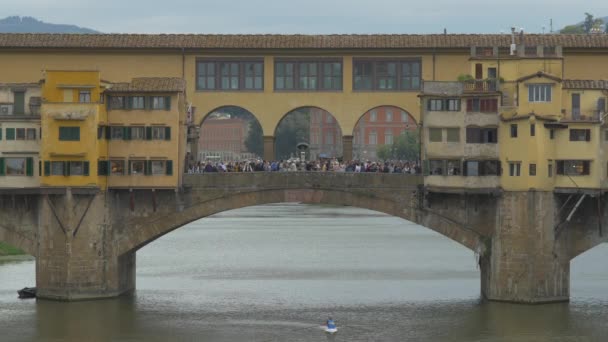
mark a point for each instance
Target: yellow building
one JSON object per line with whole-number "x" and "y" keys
{"x": 19, "y": 135}
{"x": 145, "y": 134}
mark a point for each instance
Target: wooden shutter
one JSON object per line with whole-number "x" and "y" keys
{"x": 47, "y": 168}
{"x": 128, "y": 167}
{"x": 100, "y": 132}
{"x": 66, "y": 168}
{"x": 148, "y": 167}
{"x": 148, "y": 133}
{"x": 560, "y": 167}
{"x": 108, "y": 101}
{"x": 464, "y": 168}
{"x": 426, "y": 167}
{"x": 129, "y": 102}
{"x": 478, "y": 71}
{"x": 167, "y": 133}
{"x": 601, "y": 104}
{"x": 126, "y": 133}
{"x": 169, "y": 164}
{"x": 108, "y": 132}
{"x": 85, "y": 168}
{"x": 587, "y": 135}
{"x": 586, "y": 167}
{"x": 0, "y": 133}
{"x": 29, "y": 166}
{"x": 102, "y": 168}
{"x": 10, "y": 134}
{"x": 1, "y": 166}
{"x": 168, "y": 102}
{"x": 469, "y": 105}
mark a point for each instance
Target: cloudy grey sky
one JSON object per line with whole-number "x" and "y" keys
{"x": 308, "y": 16}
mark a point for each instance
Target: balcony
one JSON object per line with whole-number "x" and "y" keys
{"x": 577, "y": 115}
{"x": 480, "y": 86}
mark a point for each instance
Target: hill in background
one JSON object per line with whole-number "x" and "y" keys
{"x": 18, "y": 24}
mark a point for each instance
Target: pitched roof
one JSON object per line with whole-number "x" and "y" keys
{"x": 539, "y": 74}
{"x": 585, "y": 84}
{"x": 150, "y": 84}
{"x": 273, "y": 41}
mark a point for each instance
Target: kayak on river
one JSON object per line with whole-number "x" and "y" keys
{"x": 330, "y": 326}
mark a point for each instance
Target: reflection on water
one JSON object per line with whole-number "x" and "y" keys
{"x": 274, "y": 273}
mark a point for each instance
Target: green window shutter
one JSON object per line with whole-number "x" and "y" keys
{"x": 126, "y": 133}
{"x": 1, "y": 166}
{"x": 167, "y": 133}
{"x": 10, "y": 134}
{"x": 426, "y": 167}
{"x": 76, "y": 133}
{"x": 29, "y": 166}
{"x": 66, "y": 168}
{"x": 128, "y": 167}
{"x": 85, "y": 168}
{"x": 129, "y": 102}
{"x": 168, "y": 102}
{"x": 148, "y": 168}
{"x": 47, "y": 168}
{"x": 99, "y": 132}
{"x": 108, "y": 100}
{"x": 108, "y": 132}
{"x": 147, "y": 102}
{"x": 39, "y": 168}
{"x": 0, "y": 133}
{"x": 148, "y": 133}
{"x": 169, "y": 165}
{"x": 102, "y": 168}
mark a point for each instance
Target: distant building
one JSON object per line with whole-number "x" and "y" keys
{"x": 380, "y": 126}
{"x": 325, "y": 135}
{"x": 223, "y": 139}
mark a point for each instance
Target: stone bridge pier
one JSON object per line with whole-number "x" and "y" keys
{"x": 85, "y": 240}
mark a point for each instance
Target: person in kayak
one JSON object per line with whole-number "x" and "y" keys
{"x": 330, "y": 323}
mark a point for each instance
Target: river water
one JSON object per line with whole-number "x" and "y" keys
{"x": 276, "y": 272}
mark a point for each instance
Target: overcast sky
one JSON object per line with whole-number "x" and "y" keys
{"x": 308, "y": 16}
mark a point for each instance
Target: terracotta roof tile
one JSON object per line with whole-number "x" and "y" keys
{"x": 585, "y": 84}
{"x": 207, "y": 41}
{"x": 150, "y": 84}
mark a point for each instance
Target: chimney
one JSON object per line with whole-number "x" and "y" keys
{"x": 513, "y": 46}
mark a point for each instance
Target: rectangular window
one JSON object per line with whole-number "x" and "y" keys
{"x": 117, "y": 167}
{"x": 116, "y": 102}
{"x": 15, "y": 166}
{"x": 539, "y": 92}
{"x": 158, "y": 167}
{"x": 373, "y": 116}
{"x": 308, "y": 75}
{"x": 473, "y": 135}
{"x": 84, "y": 96}
{"x": 515, "y": 169}
{"x": 158, "y": 133}
{"x": 532, "y": 130}
{"x": 254, "y": 75}
{"x": 69, "y": 133}
{"x": 404, "y": 117}
{"x": 387, "y": 75}
{"x": 30, "y": 134}
{"x": 117, "y": 132}
{"x": 453, "y": 168}
{"x": 389, "y": 115}
{"x": 137, "y": 102}
{"x": 20, "y": 133}
{"x": 158, "y": 102}
{"x": 448, "y": 105}
{"x": 57, "y": 168}
{"x": 137, "y": 167}
{"x": 532, "y": 170}
{"x": 580, "y": 135}
{"x": 513, "y": 130}
{"x": 76, "y": 168}
{"x": 138, "y": 133}
{"x": 388, "y": 137}
{"x": 550, "y": 169}
{"x": 436, "y": 167}
{"x": 482, "y": 105}
{"x": 573, "y": 167}
{"x": 230, "y": 75}
{"x": 435, "y": 135}
{"x": 489, "y": 168}
{"x": 472, "y": 168}
{"x": 373, "y": 138}
{"x": 453, "y": 134}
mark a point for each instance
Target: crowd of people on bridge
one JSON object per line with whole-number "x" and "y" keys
{"x": 295, "y": 165}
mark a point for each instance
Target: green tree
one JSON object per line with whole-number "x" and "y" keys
{"x": 573, "y": 29}
{"x": 255, "y": 139}
{"x": 293, "y": 129}
{"x": 384, "y": 152}
{"x": 407, "y": 146}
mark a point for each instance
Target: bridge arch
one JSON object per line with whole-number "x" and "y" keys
{"x": 231, "y": 133}
{"x": 310, "y": 124}
{"x": 143, "y": 231}
{"x": 380, "y": 125}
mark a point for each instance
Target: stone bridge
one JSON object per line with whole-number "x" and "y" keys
{"x": 85, "y": 240}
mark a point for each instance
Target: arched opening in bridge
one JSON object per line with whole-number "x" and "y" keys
{"x": 230, "y": 134}
{"x": 386, "y": 132}
{"x": 315, "y": 127}
{"x": 292, "y": 255}
{"x": 589, "y": 274}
